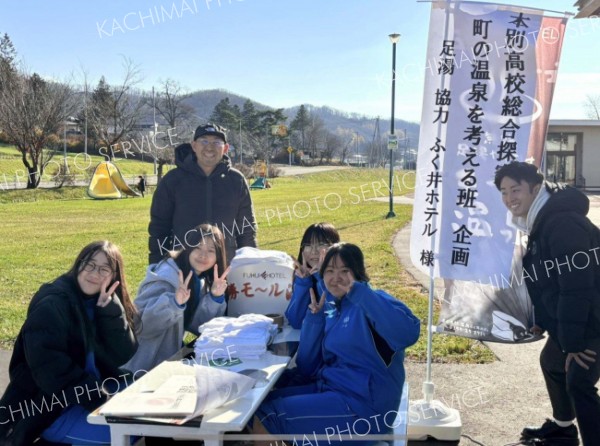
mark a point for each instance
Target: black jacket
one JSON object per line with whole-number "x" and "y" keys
{"x": 47, "y": 368}
{"x": 186, "y": 197}
{"x": 562, "y": 260}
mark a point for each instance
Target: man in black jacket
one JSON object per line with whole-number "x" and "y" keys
{"x": 562, "y": 260}
{"x": 204, "y": 188}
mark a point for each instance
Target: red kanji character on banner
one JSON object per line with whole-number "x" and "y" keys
{"x": 232, "y": 291}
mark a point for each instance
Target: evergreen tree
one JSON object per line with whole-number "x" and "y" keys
{"x": 301, "y": 123}
{"x": 225, "y": 114}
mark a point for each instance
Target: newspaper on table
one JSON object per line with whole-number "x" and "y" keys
{"x": 175, "y": 393}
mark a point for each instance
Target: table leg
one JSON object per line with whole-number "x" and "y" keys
{"x": 214, "y": 440}
{"x": 118, "y": 437}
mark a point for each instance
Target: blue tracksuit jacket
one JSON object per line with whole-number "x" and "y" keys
{"x": 355, "y": 347}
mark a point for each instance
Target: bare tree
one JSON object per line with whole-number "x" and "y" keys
{"x": 31, "y": 111}
{"x": 592, "y": 106}
{"x": 114, "y": 111}
{"x": 315, "y": 135}
{"x": 347, "y": 137}
{"x": 333, "y": 143}
{"x": 170, "y": 105}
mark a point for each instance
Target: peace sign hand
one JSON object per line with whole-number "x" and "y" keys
{"x": 219, "y": 283}
{"x": 301, "y": 271}
{"x": 346, "y": 287}
{"x": 106, "y": 296}
{"x": 314, "y": 306}
{"x": 182, "y": 295}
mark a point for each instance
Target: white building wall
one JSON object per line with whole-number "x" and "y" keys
{"x": 589, "y": 161}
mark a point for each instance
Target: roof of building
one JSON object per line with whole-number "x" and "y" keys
{"x": 575, "y": 122}
{"x": 587, "y": 8}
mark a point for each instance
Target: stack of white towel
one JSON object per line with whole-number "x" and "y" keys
{"x": 246, "y": 336}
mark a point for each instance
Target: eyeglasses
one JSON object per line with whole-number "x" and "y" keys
{"x": 316, "y": 248}
{"x": 103, "y": 271}
{"x": 215, "y": 144}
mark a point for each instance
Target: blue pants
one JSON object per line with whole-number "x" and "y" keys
{"x": 72, "y": 428}
{"x": 306, "y": 412}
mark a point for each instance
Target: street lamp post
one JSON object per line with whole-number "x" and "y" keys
{"x": 394, "y": 38}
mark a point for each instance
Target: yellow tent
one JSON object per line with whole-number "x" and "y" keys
{"x": 107, "y": 182}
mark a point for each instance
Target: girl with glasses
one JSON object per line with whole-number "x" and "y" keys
{"x": 77, "y": 332}
{"x": 317, "y": 238}
{"x": 183, "y": 291}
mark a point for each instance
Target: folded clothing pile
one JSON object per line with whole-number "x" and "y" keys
{"x": 246, "y": 336}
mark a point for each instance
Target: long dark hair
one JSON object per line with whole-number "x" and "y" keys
{"x": 320, "y": 233}
{"x": 115, "y": 261}
{"x": 352, "y": 257}
{"x": 181, "y": 257}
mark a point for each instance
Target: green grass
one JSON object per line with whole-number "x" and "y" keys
{"x": 41, "y": 239}
{"x": 11, "y": 165}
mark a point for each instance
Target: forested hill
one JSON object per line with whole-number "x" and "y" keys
{"x": 204, "y": 102}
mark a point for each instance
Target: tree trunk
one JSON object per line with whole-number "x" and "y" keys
{"x": 32, "y": 181}
{"x": 159, "y": 171}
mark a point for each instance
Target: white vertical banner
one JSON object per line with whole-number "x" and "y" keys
{"x": 482, "y": 99}
{"x": 490, "y": 76}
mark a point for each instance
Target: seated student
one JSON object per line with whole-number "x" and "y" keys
{"x": 354, "y": 350}
{"x": 180, "y": 293}
{"x": 316, "y": 240}
{"x": 76, "y": 334}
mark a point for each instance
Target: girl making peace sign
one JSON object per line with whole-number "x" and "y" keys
{"x": 77, "y": 332}
{"x": 317, "y": 238}
{"x": 351, "y": 352}
{"x": 183, "y": 291}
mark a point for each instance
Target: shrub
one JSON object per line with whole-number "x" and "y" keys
{"x": 63, "y": 177}
{"x": 274, "y": 172}
{"x": 246, "y": 170}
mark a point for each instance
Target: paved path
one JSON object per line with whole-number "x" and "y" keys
{"x": 287, "y": 170}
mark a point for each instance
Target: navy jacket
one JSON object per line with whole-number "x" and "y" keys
{"x": 562, "y": 260}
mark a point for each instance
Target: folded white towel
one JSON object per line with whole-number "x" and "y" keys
{"x": 247, "y": 336}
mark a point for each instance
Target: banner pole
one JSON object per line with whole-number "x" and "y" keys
{"x": 434, "y": 418}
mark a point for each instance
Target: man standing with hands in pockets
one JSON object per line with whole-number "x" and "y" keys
{"x": 564, "y": 290}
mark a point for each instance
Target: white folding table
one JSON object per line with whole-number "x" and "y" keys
{"x": 232, "y": 416}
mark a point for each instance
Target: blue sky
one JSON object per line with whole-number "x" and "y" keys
{"x": 281, "y": 53}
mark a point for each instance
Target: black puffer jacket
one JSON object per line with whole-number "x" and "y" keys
{"x": 47, "y": 368}
{"x": 562, "y": 259}
{"x": 186, "y": 197}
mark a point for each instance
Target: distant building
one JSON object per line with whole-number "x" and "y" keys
{"x": 587, "y": 8}
{"x": 573, "y": 152}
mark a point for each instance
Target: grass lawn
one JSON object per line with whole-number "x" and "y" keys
{"x": 42, "y": 238}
